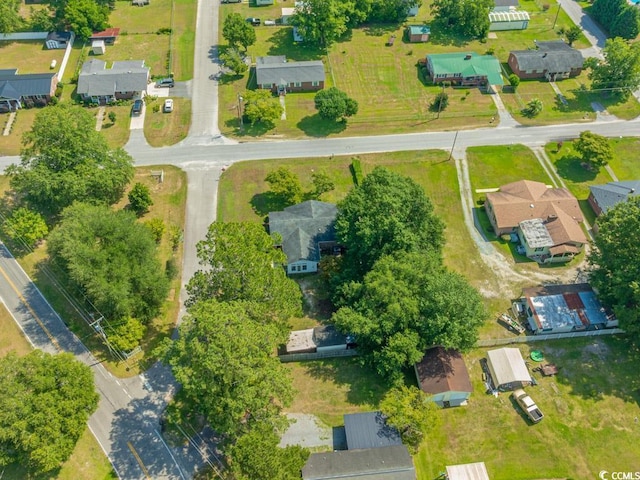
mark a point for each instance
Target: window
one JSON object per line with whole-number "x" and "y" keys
{"x": 304, "y": 267}
{"x": 315, "y": 83}
{"x": 539, "y": 249}
{"x": 267, "y": 86}
{"x": 297, "y": 84}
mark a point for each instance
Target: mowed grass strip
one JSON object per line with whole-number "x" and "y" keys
{"x": 87, "y": 460}
{"x": 162, "y": 129}
{"x": 592, "y": 402}
{"x": 12, "y": 143}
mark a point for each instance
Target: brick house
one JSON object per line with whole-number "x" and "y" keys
{"x": 464, "y": 69}
{"x": 553, "y": 60}
{"x": 276, "y": 74}
{"x": 29, "y": 90}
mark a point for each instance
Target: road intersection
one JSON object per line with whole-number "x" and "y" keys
{"x": 127, "y": 421}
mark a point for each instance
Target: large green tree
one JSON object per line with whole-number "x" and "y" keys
{"x": 405, "y": 304}
{"x": 237, "y": 32}
{"x": 10, "y": 19}
{"x": 594, "y": 148}
{"x": 469, "y": 18}
{"x": 257, "y": 456}
{"x": 391, "y": 11}
{"x": 618, "y": 17}
{"x": 226, "y": 365}
{"x": 112, "y": 259}
{"x": 25, "y": 227}
{"x": 409, "y": 410}
{"x": 615, "y": 263}
{"x": 334, "y": 104}
{"x": 620, "y": 69}
{"x": 83, "y": 17}
{"x": 261, "y": 106}
{"x": 387, "y": 213}
{"x": 241, "y": 264}
{"x": 64, "y": 160}
{"x": 321, "y": 22}
{"x": 285, "y": 186}
{"x": 45, "y": 402}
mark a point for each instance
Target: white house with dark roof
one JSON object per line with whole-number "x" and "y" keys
{"x": 306, "y": 229}
{"x": 604, "y": 197}
{"x": 32, "y": 89}
{"x": 275, "y": 73}
{"x": 124, "y": 80}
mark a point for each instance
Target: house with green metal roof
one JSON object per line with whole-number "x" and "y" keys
{"x": 465, "y": 69}
{"x": 418, "y": 33}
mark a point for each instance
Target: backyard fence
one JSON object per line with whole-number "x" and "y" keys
{"x": 23, "y": 36}
{"x": 490, "y": 342}
{"x": 301, "y": 357}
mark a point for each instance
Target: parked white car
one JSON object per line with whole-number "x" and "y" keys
{"x": 168, "y": 106}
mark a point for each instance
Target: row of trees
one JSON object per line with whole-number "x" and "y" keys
{"x": 619, "y": 70}
{"x": 286, "y": 188}
{"x": 620, "y": 18}
{"x": 238, "y": 310}
{"x": 394, "y": 293}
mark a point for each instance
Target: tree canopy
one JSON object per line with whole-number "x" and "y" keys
{"x": 405, "y": 304}
{"x": 238, "y": 32}
{"x": 321, "y": 22}
{"x": 83, "y": 17}
{"x": 410, "y": 411}
{"x": 10, "y": 19}
{"x": 261, "y": 106}
{"x": 334, "y": 104}
{"x": 140, "y": 198}
{"x": 45, "y": 402}
{"x": 64, "y": 160}
{"x": 620, "y": 69}
{"x": 241, "y": 264}
{"x": 226, "y": 365}
{"x": 594, "y": 148}
{"x": 469, "y": 18}
{"x": 615, "y": 263}
{"x": 387, "y": 213}
{"x": 618, "y": 17}
{"x": 112, "y": 259}
{"x": 25, "y": 227}
{"x": 233, "y": 60}
{"x": 256, "y": 456}
{"x": 285, "y": 186}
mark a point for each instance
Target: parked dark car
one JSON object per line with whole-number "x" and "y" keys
{"x": 137, "y": 107}
{"x": 165, "y": 82}
{"x": 253, "y": 21}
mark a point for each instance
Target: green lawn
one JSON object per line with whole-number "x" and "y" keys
{"x": 593, "y": 402}
{"x": 117, "y": 133}
{"x": 161, "y": 129}
{"x": 11, "y": 144}
{"x": 29, "y": 56}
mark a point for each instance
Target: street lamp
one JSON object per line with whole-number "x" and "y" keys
{"x": 240, "y": 99}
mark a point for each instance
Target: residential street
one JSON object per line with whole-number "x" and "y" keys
{"x": 127, "y": 422}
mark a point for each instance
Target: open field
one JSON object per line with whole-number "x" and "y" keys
{"x": 592, "y": 403}
{"x": 87, "y": 460}
{"x": 11, "y": 144}
{"x": 169, "y": 205}
{"x": 161, "y": 129}
{"x": 29, "y": 56}
{"x": 117, "y": 133}
{"x": 138, "y": 35}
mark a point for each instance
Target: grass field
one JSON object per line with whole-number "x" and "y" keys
{"x": 117, "y": 134}
{"x": 162, "y": 129}
{"x": 11, "y": 144}
{"x": 592, "y": 402}
{"x": 87, "y": 460}
{"x": 169, "y": 205}
{"x": 29, "y": 56}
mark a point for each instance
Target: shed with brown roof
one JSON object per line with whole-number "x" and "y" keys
{"x": 442, "y": 374}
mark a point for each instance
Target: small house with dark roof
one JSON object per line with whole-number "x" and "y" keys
{"x": 275, "y": 73}
{"x": 552, "y": 60}
{"x": 306, "y": 229}
{"x": 443, "y": 375}
{"x": 58, "y": 40}
{"x": 369, "y": 430}
{"x": 604, "y": 197}
{"x": 386, "y": 463}
{"x": 28, "y": 90}
{"x": 124, "y": 80}
{"x": 108, "y": 36}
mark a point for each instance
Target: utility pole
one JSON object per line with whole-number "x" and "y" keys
{"x": 454, "y": 145}
{"x": 240, "y": 99}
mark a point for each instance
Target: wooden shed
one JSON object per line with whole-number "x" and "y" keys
{"x": 418, "y": 33}
{"x": 443, "y": 375}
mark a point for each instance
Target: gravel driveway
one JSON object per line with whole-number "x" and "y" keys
{"x": 307, "y": 431}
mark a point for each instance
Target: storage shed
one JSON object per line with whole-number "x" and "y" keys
{"x": 507, "y": 368}
{"x": 418, "y": 33}
{"x": 511, "y": 20}
{"x": 98, "y": 47}
{"x": 442, "y": 374}
{"x": 468, "y": 471}
{"x": 58, "y": 40}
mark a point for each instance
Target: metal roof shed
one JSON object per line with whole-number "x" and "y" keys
{"x": 507, "y": 368}
{"x": 468, "y": 471}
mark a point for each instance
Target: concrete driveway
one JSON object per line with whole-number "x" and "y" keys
{"x": 307, "y": 431}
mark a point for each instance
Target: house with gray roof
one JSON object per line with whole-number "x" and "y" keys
{"x": 275, "y": 73}
{"x": 124, "y": 80}
{"x": 552, "y": 60}
{"x": 306, "y": 230}
{"x": 28, "y": 90}
{"x": 604, "y": 197}
{"x": 369, "y": 430}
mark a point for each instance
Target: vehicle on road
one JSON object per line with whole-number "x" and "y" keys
{"x": 168, "y": 106}
{"x": 253, "y": 21}
{"x": 137, "y": 107}
{"x": 528, "y": 405}
{"x": 165, "y": 83}
{"x": 230, "y": 1}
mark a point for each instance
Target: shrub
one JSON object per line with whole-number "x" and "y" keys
{"x": 356, "y": 171}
